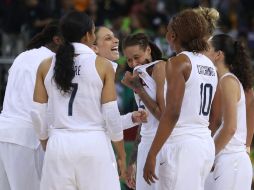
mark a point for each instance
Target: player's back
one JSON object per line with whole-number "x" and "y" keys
{"x": 21, "y": 80}
{"x": 198, "y": 96}
{"x": 81, "y": 108}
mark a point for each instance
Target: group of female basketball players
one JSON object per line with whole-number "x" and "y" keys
{"x": 195, "y": 108}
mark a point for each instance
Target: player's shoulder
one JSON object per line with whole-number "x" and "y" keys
{"x": 103, "y": 63}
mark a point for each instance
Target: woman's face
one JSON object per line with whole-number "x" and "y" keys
{"x": 137, "y": 56}
{"x": 106, "y": 44}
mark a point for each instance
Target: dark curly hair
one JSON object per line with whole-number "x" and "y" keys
{"x": 45, "y": 36}
{"x": 73, "y": 27}
{"x": 143, "y": 42}
{"x": 191, "y": 29}
{"x": 236, "y": 58}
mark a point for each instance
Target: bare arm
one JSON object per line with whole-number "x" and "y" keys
{"x": 230, "y": 93}
{"x": 107, "y": 75}
{"x": 249, "y": 96}
{"x": 177, "y": 72}
{"x": 40, "y": 93}
{"x": 175, "y": 92}
{"x": 158, "y": 106}
{"x": 216, "y": 112}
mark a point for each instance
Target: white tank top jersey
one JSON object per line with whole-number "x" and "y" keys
{"x": 148, "y": 129}
{"x": 15, "y": 120}
{"x": 198, "y": 96}
{"x": 80, "y": 109}
{"x": 238, "y": 141}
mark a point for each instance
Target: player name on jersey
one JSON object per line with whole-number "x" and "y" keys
{"x": 77, "y": 69}
{"x": 206, "y": 70}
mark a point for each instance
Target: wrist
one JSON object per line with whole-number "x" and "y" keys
{"x": 121, "y": 156}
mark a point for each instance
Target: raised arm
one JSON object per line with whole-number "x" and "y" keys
{"x": 158, "y": 74}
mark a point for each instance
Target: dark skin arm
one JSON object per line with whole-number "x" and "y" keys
{"x": 177, "y": 72}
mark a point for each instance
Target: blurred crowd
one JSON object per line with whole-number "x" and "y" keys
{"x": 22, "y": 19}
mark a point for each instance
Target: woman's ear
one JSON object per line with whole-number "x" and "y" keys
{"x": 148, "y": 49}
{"x": 219, "y": 55}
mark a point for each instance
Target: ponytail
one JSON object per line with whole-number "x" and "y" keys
{"x": 236, "y": 58}
{"x": 241, "y": 67}
{"x": 74, "y": 26}
{"x": 64, "y": 67}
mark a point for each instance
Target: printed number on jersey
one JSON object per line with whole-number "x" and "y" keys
{"x": 206, "y": 92}
{"x": 73, "y": 94}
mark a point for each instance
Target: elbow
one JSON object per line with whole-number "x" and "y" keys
{"x": 231, "y": 130}
{"x": 174, "y": 116}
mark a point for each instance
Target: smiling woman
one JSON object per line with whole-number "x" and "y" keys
{"x": 106, "y": 44}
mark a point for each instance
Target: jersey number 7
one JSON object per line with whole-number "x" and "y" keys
{"x": 73, "y": 94}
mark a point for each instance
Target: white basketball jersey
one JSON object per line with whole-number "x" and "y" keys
{"x": 148, "y": 129}
{"x": 15, "y": 120}
{"x": 80, "y": 109}
{"x": 20, "y": 87}
{"x": 198, "y": 96}
{"x": 238, "y": 141}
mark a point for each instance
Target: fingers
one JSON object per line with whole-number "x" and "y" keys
{"x": 130, "y": 182}
{"x": 150, "y": 177}
{"x": 130, "y": 177}
{"x": 126, "y": 80}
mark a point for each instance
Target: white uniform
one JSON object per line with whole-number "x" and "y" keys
{"x": 148, "y": 130}
{"x": 17, "y": 135}
{"x": 233, "y": 169}
{"x": 79, "y": 154}
{"x": 188, "y": 154}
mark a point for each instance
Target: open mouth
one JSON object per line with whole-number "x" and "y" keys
{"x": 114, "y": 49}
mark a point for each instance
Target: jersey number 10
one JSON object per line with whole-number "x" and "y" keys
{"x": 206, "y": 91}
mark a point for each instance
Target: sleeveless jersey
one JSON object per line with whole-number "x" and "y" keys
{"x": 148, "y": 129}
{"x": 81, "y": 108}
{"x": 238, "y": 141}
{"x": 198, "y": 96}
{"x": 15, "y": 120}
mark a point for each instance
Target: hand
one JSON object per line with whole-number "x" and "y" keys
{"x": 132, "y": 81}
{"x": 131, "y": 176}
{"x": 121, "y": 163}
{"x": 149, "y": 169}
{"x": 139, "y": 116}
